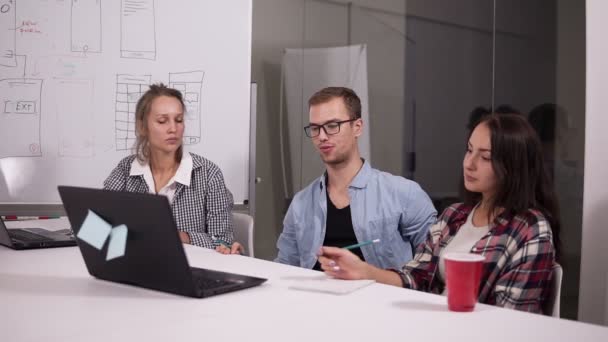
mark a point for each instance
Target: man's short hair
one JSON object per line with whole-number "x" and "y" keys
{"x": 350, "y": 98}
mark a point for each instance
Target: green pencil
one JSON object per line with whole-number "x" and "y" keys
{"x": 357, "y": 245}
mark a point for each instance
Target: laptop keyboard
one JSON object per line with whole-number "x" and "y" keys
{"x": 203, "y": 281}
{"x": 24, "y": 235}
{"x": 206, "y": 283}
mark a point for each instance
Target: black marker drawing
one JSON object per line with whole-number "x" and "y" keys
{"x": 86, "y": 26}
{"x": 20, "y": 112}
{"x": 190, "y": 84}
{"x": 8, "y": 38}
{"x": 137, "y": 29}
{"x": 129, "y": 89}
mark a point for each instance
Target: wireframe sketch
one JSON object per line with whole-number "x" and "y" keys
{"x": 190, "y": 84}
{"x": 129, "y": 88}
{"x": 8, "y": 19}
{"x": 20, "y": 112}
{"x": 137, "y": 29}
{"x": 86, "y": 26}
{"x": 75, "y": 124}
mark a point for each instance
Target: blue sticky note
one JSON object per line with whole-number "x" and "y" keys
{"x": 94, "y": 230}
{"x": 118, "y": 242}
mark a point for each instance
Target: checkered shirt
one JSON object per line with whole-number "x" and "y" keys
{"x": 518, "y": 251}
{"x": 203, "y": 209}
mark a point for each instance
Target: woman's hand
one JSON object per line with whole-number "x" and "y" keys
{"x": 236, "y": 248}
{"x": 184, "y": 237}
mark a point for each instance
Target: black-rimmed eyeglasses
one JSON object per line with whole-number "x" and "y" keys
{"x": 330, "y": 128}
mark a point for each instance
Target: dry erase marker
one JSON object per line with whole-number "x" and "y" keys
{"x": 361, "y": 244}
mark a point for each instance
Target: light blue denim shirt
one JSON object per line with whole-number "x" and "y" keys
{"x": 383, "y": 206}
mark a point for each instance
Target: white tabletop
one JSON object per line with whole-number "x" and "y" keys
{"x": 47, "y": 295}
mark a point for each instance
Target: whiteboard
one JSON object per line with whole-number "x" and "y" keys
{"x": 71, "y": 73}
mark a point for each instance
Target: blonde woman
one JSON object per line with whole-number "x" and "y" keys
{"x": 194, "y": 186}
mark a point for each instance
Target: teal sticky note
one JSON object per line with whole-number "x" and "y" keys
{"x": 118, "y": 242}
{"x": 94, "y": 230}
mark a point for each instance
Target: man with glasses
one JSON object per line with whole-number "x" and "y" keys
{"x": 351, "y": 202}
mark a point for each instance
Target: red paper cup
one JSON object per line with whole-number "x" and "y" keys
{"x": 463, "y": 275}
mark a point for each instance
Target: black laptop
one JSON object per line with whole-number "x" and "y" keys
{"x": 154, "y": 256}
{"x": 34, "y": 237}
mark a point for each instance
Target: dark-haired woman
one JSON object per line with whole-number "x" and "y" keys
{"x": 509, "y": 216}
{"x": 200, "y": 201}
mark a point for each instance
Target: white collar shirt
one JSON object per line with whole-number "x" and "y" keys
{"x": 182, "y": 176}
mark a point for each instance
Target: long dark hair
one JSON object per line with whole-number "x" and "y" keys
{"x": 522, "y": 179}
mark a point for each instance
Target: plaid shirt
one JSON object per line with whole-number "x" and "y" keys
{"x": 203, "y": 209}
{"x": 518, "y": 251}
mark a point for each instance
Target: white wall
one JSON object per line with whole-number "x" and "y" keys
{"x": 593, "y": 304}
{"x": 276, "y": 24}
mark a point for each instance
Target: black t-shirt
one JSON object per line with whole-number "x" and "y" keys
{"x": 339, "y": 231}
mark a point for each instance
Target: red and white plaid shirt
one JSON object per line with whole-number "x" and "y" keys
{"x": 519, "y": 255}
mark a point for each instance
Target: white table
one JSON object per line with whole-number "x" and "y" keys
{"x": 47, "y": 295}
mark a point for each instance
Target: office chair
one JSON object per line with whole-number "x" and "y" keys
{"x": 551, "y": 307}
{"x": 243, "y": 231}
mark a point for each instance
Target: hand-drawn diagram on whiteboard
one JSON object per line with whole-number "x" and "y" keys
{"x": 137, "y": 29}
{"x": 190, "y": 84}
{"x": 8, "y": 40}
{"x": 86, "y": 25}
{"x": 74, "y": 110}
{"x": 129, "y": 88}
{"x": 20, "y": 117}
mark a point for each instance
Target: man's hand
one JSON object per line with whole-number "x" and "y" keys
{"x": 341, "y": 263}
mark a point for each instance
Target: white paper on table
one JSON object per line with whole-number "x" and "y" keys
{"x": 323, "y": 283}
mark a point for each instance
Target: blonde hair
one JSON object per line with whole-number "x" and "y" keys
{"x": 142, "y": 110}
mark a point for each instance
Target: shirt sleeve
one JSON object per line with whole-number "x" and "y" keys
{"x": 117, "y": 180}
{"x": 525, "y": 279}
{"x": 219, "y": 203}
{"x": 417, "y": 274}
{"x": 287, "y": 243}
{"x": 420, "y": 215}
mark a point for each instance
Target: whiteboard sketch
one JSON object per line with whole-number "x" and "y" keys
{"x": 72, "y": 71}
{"x": 86, "y": 26}
{"x": 74, "y": 110}
{"x": 137, "y": 29}
{"x": 21, "y": 108}
{"x": 8, "y": 20}
{"x": 129, "y": 88}
{"x": 190, "y": 84}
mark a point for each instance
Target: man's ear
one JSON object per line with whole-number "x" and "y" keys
{"x": 358, "y": 127}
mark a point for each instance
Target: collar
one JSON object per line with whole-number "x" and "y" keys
{"x": 182, "y": 174}
{"x": 361, "y": 179}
